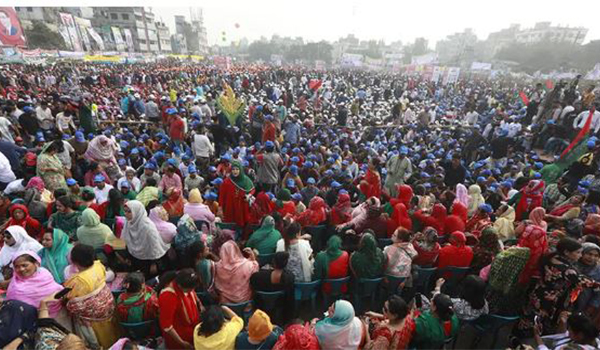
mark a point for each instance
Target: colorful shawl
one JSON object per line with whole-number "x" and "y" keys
{"x": 55, "y": 258}
{"x": 101, "y": 149}
{"x": 233, "y": 274}
{"x": 242, "y": 181}
{"x": 342, "y": 210}
{"x": 342, "y": 330}
{"x": 265, "y": 238}
{"x": 475, "y": 199}
{"x": 462, "y": 195}
{"x": 174, "y": 204}
{"x": 159, "y": 216}
{"x": 330, "y": 254}
{"x": 532, "y": 197}
{"x": 315, "y": 214}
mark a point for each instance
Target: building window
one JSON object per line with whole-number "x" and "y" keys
{"x": 114, "y": 16}
{"x": 30, "y": 9}
{"x": 125, "y": 16}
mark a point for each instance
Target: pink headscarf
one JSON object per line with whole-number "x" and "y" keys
{"x": 233, "y": 274}
{"x": 462, "y": 195}
{"x": 33, "y": 289}
{"x": 537, "y": 217}
{"x": 101, "y": 149}
{"x": 166, "y": 229}
{"x": 37, "y": 183}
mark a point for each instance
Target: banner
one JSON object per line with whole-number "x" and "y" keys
{"x": 83, "y": 24}
{"x": 319, "y": 65}
{"x": 103, "y": 59}
{"x": 481, "y": 66}
{"x": 351, "y": 60}
{"x": 97, "y": 38}
{"x": 437, "y": 73}
{"x": 68, "y": 21}
{"x": 129, "y": 39}
{"x": 11, "y": 33}
{"x": 429, "y": 58}
{"x": 118, "y": 38}
{"x": 62, "y": 30}
{"x": 453, "y": 73}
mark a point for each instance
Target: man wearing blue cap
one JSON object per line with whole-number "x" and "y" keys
{"x": 101, "y": 189}
{"x": 192, "y": 180}
{"x": 202, "y": 147}
{"x": 269, "y": 164}
{"x": 399, "y": 169}
{"x": 149, "y": 172}
{"x": 309, "y": 191}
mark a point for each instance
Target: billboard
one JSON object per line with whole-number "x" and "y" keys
{"x": 128, "y": 39}
{"x": 69, "y": 23}
{"x": 118, "y": 38}
{"x": 11, "y": 33}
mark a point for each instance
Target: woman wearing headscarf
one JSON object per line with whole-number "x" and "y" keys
{"x": 160, "y": 218}
{"x": 49, "y": 166}
{"x": 233, "y": 273}
{"x": 233, "y": 196}
{"x": 462, "y": 195}
{"x": 341, "y": 212}
{"x": 174, "y": 204}
{"x": 400, "y": 254}
{"x": 341, "y": 329}
{"x": 16, "y": 319}
{"x": 66, "y": 217}
{"x": 16, "y": 240}
{"x": 457, "y": 253}
{"x": 589, "y": 266}
{"x": 475, "y": 199}
{"x": 261, "y": 334}
{"x": 405, "y": 195}
{"x": 332, "y": 263}
{"x": 427, "y": 247}
{"x": 567, "y": 210}
{"x": 457, "y": 220}
{"x": 370, "y": 186}
{"x": 93, "y": 232}
{"x": 54, "y": 254}
{"x": 591, "y": 224}
{"x": 532, "y": 235}
{"x": 478, "y": 222}
{"x": 400, "y": 218}
{"x": 197, "y": 210}
{"x": 315, "y": 214}
{"x": 284, "y": 204}
{"x": 437, "y": 219}
{"x": 529, "y": 198}
{"x": 36, "y": 183}
{"x": 112, "y": 208}
{"x": 264, "y": 240}
{"x": 144, "y": 244}
{"x": 261, "y": 207}
{"x": 486, "y": 249}
{"x": 368, "y": 261}
{"x": 102, "y": 150}
{"x": 19, "y": 216}
{"x": 505, "y": 222}
{"x": 298, "y": 337}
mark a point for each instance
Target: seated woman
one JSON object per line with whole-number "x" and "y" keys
{"x": 341, "y": 212}
{"x": 234, "y": 272}
{"x": 19, "y": 216}
{"x": 92, "y": 231}
{"x": 54, "y": 254}
{"x": 368, "y": 261}
{"x": 66, "y": 217}
{"x": 315, "y": 214}
{"x": 139, "y": 302}
{"x": 144, "y": 244}
{"x": 17, "y": 319}
{"x": 90, "y": 302}
{"x": 588, "y": 265}
{"x": 581, "y": 334}
{"x": 394, "y": 329}
{"x": 505, "y": 222}
{"x": 178, "y": 308}
{"x": 202, "y": 261}
{"x": 427, "y": 247}
{"x": 16, "y": 240}
{"x": 174, "y": 204}
{"x": 265, "y": 239}
{"x": 284, "y": 204}
{"x": 298, "y": 336}
{"x": 112, "y": 208}
{"x": 400, "y": 254}
{"x": 332, "y": 263}
{"x": 300, "y": 262}
{"x": 436, "y": 219}
{"x": 486, "y": 249}
{"x": 160, "y": 218}
{"x": 566, "y": 211}
{"x": 261, "y": 333}
{"x": 471, "y": 304}
{"x": 433, "y": 328}
{"x": 274, "y": 280}
{"x": 340, "y": 329}
{"x": 199, "y": 211}
{"x": 215, "y": 332}
{"x": 456, "y": 253}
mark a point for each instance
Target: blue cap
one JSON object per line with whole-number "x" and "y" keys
{"x": 99, "y": 178}
{"x": 171, "y": 111}
{"x": 226, "y": 157}
{"x": 211, "y": 196}
{"x": 537, "y": 175}
{"x": 297, "y": 196}
{"x": 172, "y": 162}
{"x": 290, "y": 183}
{"x": 591, "y": 143}
{"x": 308, "y": 164}
{"x": 91, "y": 136}
{"x": 486, "y": 208}
{"x": 192, "y": 169}
{"x": 311, "y": 181}
{"x": 269, "y": 144}
{"x": 27, "y": 109}
{"x": 125, "y": 184}
{"x": 295, "y": 159}
{"x": 66, "y": 136}
{"x": 335, "y": 184}
{"x": 481, "y": 179}
{"x": 271, "y": 195}
{"x": 425, "y": 175}
{"x": 212, "y": 169}
{"x": 329, "y": 172}
{"x": 404, "y": 150}
{"x": 71, "y": 182}
{"x": 79, "y": 137}
{"x": 506, "y": 184}
{"x": 149, "y": 165}
{"x": 486, "y": 172}
{"x": 122, "y": 161}
{"x": 538, "y": 165}
{"x": 135, "y": 151}
{"x": 217, "y": 181}
{"x": 294, "y": 169}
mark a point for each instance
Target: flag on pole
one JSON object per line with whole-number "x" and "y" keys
{"x": 315, "y": 84}
{"x": 524, "y": 98}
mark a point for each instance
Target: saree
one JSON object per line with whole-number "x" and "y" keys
{"x": 505, "y": 224}
{"x": 532, "y": 197}
{"x": 148, "y": 194}
{"x": 139, "y": 307}
{"x": 265, "y": 238}
{"x": 159, "y": 216}
{"x": 536, "y": 240}
{"x": 55, "y": 258}
{"x": 68, "y": 222}
{"x": 51, "y": 170}
{"x": 340, "y": 331}
{"x": 174, "y": 204}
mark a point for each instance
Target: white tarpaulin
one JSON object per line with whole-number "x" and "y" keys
{"x": 481, "y": 66}
{"x": 118, "y": 38}
{"x": 97, "y": 38}
{"x": 430, "y": 58}
{"x": 594, "y": 74}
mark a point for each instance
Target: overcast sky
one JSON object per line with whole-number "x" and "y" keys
{"x": 368, "y": 19}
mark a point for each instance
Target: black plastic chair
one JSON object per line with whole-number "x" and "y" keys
{"x": 336, "y": 289}
{"x": 422, "y": 283}
{"x": 140, "y": 330}
{"x": 487, "y": 325}
{"x": 366, "y": 287}
{"x": 307, "y": 291}
{"x": 270, "y": 303}
{"x": 453, "y": 276}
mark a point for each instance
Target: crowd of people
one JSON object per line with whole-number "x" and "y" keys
{"x": 134, "y": 194}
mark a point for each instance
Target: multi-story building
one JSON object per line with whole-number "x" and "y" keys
{"x": 544, "y": 31}
{"x": 164, "y": 38}
{"x": 139, "y": 22}
{"x": 194, "y": 33}
{"x": 497, "y": 41}
{"x": 457, "y": 48}
{"x": 179, "y": 44}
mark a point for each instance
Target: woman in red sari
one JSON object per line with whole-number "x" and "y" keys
{"x": 530, "y": 198}
{"x": 261, "y": 207}
{"x": 341, "y": 212}
{"x": 174, "y": 204}
{"x": 332, "y": 263}
{"x": 400, "y": 218}
{"x": 179, "y": 308}
{"x": 315, "y": 214}
{"x": 405, "y": 195}
{"x": 371, "y": 185}
{"x": 532, "y": 235}
{"x": 480, "y": 220}
{"x": 233, "y": 196}
{"x": 456, "y": 253}
{"x": 436, "y": 220}
{"x": 457, "y": 220}
{"x": 19, "y": 216}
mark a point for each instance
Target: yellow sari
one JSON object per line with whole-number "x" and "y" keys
{"x": 92, "y": 306}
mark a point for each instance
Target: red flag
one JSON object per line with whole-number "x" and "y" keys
{"x": 524, "y": 98}
{"x": 582, "y": 132}
{"x": 315, "y": 84}
{"x": 549, "y": 84}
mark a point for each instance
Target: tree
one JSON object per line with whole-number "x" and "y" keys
{"x": 260, "y": 50}
{"x": 42, "y": 37}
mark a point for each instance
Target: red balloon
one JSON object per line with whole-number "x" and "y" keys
{"x": 237, "y": 25}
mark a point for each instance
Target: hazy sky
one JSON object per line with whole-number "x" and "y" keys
{"x": 368, "y": 19}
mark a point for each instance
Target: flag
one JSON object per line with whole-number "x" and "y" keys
{"x": 524, "y": 98}
{"x": 549, "y": 84}
{"x": 315, "y": 84}
{"x": 578, "y": 146}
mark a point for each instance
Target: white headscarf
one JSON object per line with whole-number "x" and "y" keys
{"x": 141, "y": 236}
{"x": 475, "y": 200}
{"x": 23, "y": 242}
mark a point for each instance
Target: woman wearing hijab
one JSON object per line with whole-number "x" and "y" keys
{"x": 265, "y": 239}
{"x": 298, "y": 337}
{"x": 112, "y": 208}
{"x": 400, "y": 218}
{"x": 16, "y": 319}
{"x": 261, "y": 207}
{"x": 19, "y": 216}
{"x": 36, "y": 183}
{"x": 233, "y": 196}
{"x": 486, "y": 249}
{"x": 456, "y": 253}
{"x": 341, "y": 329}
{"x": 66, "y": 217}
{"x": 566, "y": 211}
{"x": 475, "y": 199}
{"x": 341, "y": 212}
{"x": 199, "y": 211}
{"x": 532, "y": 235}
{"x": 332, "y": 263}
{"x": 50, "y": 168}
{"x": 233, "y": 273}
{"x": 174, "y": 204}
{"x": 589, "y": 266}
{"x": 284, "y": 204}
{"x": 427, "y": 247}
{"x": 437, "y": 219}
{"x": 144, "y": 244}
{"x": 592, "y": 224}
{"x": 478, "y": 222}
{"x": 529, "y": 198}
{"x": 16, "y": 240}
{"x": 371, "y": 184}
{"x": 102, "y": 150}
{"x": 93, "y": 232}
{"x": 457, "y": 220}
{"x": 400, "y": 254}
{"x": 54, "y": 254}
{"x": 315, "y": 214}
{"x": 261, "y": 334}
{"x": 505, "y": 222}
{"x": 160, "y": 218}
{"x": 368, "y": 261}
{"x": 462, "y": 195}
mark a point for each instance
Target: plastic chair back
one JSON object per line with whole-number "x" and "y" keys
{"x": 366, "y": 287}
{"x": 394, "y": 284}
{"x": 490, "y": 324}
{"x": 240, "y": 308}
{"x": 140, "y": 330}
{"x": 269, "y": 301}
{"x": 307, "y": 291}
{"x": 423, "y": 281}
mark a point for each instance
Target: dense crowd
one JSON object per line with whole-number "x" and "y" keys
{"x": 179, "y": 206}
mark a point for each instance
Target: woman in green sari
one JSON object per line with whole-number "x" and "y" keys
{"x": 54, "y": 254}
{"x": 368, "y": 261}
{"x": 435, "y": 327}
{"x": 332, "y": 263}
{"x": 92, "y": 231}
{"x": 66, "y": 217}
{"x": 49, "y": 166}
{"x": 265, "y": 238}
